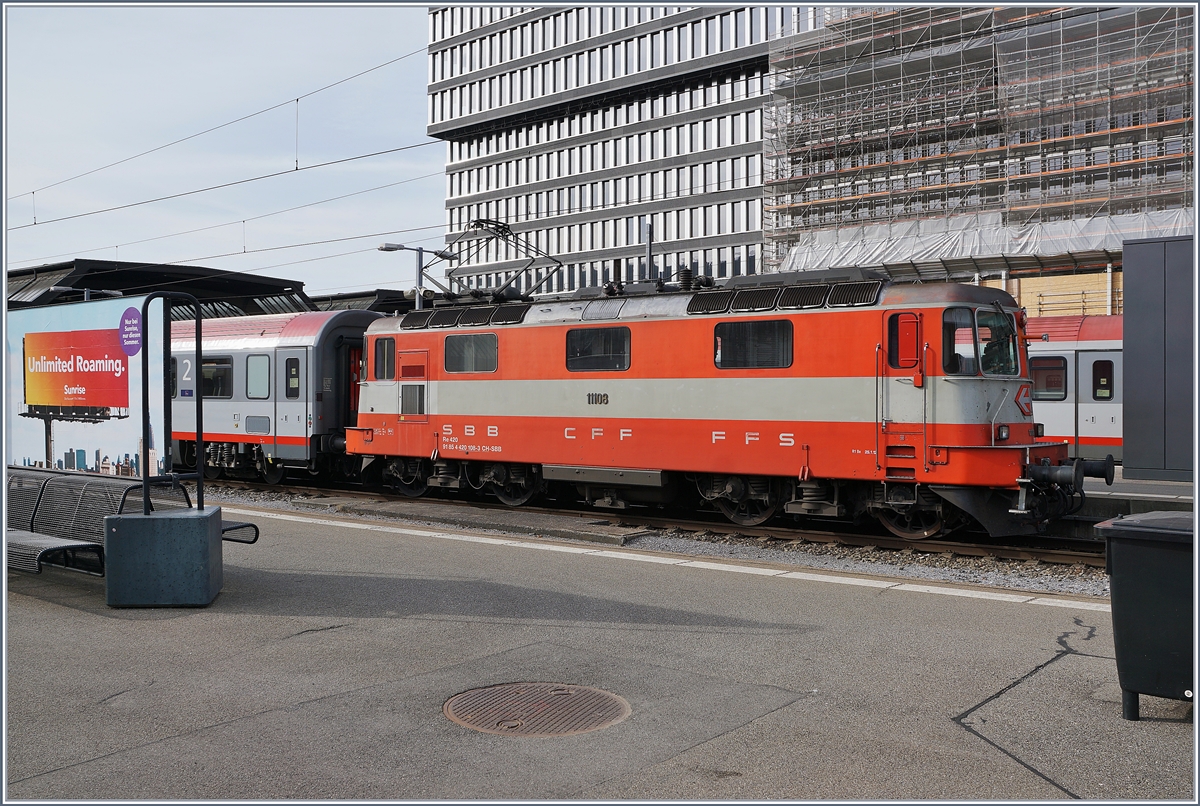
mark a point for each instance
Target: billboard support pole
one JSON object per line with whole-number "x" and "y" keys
{"x": 145, "y": 460}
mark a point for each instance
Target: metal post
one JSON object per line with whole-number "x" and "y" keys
{"x": 1109, "y": 294}
{"x": 145, "y": 460}
{"x": 420, "y": 275}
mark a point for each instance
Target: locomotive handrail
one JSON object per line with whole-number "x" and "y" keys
{"x": 878, "y": 406}
{"x": 1000, "y": 404}
{"x": 925, "y": 409}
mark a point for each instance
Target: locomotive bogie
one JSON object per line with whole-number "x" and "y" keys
{"x": 883, "y": 407}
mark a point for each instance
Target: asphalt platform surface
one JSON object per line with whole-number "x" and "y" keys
{"x": 322, "y": 668}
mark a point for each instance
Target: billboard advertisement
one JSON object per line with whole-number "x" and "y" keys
{"x": 74, "y": 386}
{"x": 76, "y": 368}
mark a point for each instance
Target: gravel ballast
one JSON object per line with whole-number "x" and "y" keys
{"x": 1017, "y": 575}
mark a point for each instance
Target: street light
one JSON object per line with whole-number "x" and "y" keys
{"x": 399, "y": 247}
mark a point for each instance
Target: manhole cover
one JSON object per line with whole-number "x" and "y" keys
{"x": 536, "y": 709}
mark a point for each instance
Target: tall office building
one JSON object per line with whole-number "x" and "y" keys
{"x": 586, "y": 128}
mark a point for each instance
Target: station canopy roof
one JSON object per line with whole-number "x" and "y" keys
{"x": 958, "y": 247}
{"x": 383, "y": 300}
{"x": 221, "y": 293}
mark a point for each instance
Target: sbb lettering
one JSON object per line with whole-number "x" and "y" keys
{"x": 469, "y": 430}
{"x": 493, "y": 431}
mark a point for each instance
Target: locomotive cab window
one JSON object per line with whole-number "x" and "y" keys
{"x": 598, "y": 349}
{"x": 258, "y": 377}
{"x": 1102, "y": 380}
{"x": 475, "y": 352}
{"x": 1049, "y": 375}
{"x": 903, "y": 338}
{"x": 753, "y": 345}
{"x": 997, "y": 342}
{"x": 291, "y": 368}
{"x": 216, "y": 377}
{"x": 958, "y": 342}
{"x": 385, "y": 359}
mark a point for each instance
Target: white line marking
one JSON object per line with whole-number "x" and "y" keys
{"x": 868, "y": 583}
{"x": 738, "y": 569}
{"x": 549, "y": 547}
{"x": 630, "y": 555}
{"x": 970, "y": 594}
{"x": 1101, "y": 606}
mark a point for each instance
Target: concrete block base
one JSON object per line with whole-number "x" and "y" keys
{"x": 164, "y": 559}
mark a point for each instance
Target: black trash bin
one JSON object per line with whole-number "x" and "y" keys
{"x": 1149, "y": 558}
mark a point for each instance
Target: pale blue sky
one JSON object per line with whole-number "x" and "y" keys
{"x": 86, "y": 86}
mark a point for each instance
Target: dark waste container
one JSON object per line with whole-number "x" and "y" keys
{"x": 1149, "y": 564}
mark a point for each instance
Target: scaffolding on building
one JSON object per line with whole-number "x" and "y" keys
{"x": 918, "y": 120}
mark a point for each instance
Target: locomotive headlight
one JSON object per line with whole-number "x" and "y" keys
{"x": 1039, "y": 429}
{"x": 1001, "y": 433}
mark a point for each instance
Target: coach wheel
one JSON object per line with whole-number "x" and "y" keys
{"x": 273, "y": 472}
{"x": 212, "y": 471}
{"x": 750, "y": 512}
{"x": 915, "y": 524}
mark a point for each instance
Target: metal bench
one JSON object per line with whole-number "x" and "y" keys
{"x": 57, "y": 518}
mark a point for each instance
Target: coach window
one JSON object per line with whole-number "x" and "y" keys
{"x": 958, "y": 342}
{"x": 216, "y": 377}
{"x": 997, "y": 342}
{"x": 385, "y": 359}
{"x": 258, "y": 377}
{"x": 598, "y": 349}
{"x": 476, "y": 352}
{"x": 1049, "y": 375}
{"x": 753, "y": 345}
{"x": 1102, "y": 380}
{"x": 291, "y": 369}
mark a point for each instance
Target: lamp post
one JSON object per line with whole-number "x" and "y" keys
{"x": 398, "y": 247}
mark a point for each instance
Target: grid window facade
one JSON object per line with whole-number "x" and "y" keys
{"x": 589, "y": 129}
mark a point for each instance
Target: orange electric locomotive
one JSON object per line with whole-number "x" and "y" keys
{"x": 826, "y": 394}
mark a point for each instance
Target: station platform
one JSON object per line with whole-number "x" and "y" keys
{"x": 1125, "y": 497}
{"x": 322, "y": 670}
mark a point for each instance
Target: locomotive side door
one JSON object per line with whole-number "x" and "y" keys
{"x": 902, "y": 395}
{"x": 291, "y": 404}
{"x": 1098, "y": 404}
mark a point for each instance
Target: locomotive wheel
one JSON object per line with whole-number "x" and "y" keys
{"x": 514, "y": 495}
{"x": 273, "y": 472}
{"x": 413, "y": 489}
{"x": 751, "y": 512}
{"x": 912, "y": 525}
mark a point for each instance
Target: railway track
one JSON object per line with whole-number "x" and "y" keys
{"x": 1053, "y": 550}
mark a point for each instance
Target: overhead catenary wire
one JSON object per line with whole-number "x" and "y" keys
{"x": 228, "y": 223}
{"x": 226, "y": 184}
{"x": 224, "y": 125}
